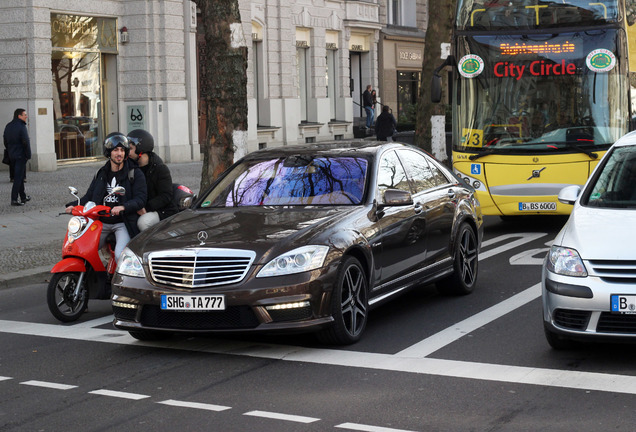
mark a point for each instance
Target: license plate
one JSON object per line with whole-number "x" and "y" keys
{"x": 192, "y": 302}
{"x": 537, "y": 206}
{"x": 624, "y": 304}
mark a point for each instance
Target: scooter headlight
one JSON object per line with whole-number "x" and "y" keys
{"x": 76, "y": 225}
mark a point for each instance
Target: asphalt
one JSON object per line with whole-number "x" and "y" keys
{"x": 31, "y": 236}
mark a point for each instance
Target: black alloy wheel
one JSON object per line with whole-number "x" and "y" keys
{"x": 465, "y": 264}
{"x": 60, "y": 297}
{"x": 349, "y": 305}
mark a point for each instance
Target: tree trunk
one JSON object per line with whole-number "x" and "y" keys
{"x": 440, "y": 25}
{"x": 223, "y": 80}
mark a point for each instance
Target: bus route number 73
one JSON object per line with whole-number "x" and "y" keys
{"x": 473, "y": 137}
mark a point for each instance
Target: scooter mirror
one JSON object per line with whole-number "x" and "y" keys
{"x": 74, "y": 193}
{"x": 119, "y": 190}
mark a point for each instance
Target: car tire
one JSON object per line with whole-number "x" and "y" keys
{"x": 557, "y": 341}
{"x": 149, "y": 335}
{"x": 58, "y": 298}
{"x": 465, "y": 264}
{"x": 349, "y": 305}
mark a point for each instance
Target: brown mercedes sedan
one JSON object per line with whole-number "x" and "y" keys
{"x": 302, "y": 239}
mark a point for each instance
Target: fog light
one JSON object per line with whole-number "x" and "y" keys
{"x": 125, "y": 305}
{"x": 476, "y": 184}
{"x": 283, "y": 306}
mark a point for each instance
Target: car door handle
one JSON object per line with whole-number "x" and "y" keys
{"x": 418, "y": 208}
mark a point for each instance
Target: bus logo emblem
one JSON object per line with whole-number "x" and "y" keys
{"x": 470, "y": 66}
{"x": 601, "y": 60}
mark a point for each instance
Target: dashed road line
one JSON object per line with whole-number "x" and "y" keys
{"x": 279, "y": 416}
{"x": 118, "y": 394}
{"x": 197, "y": 405}
{"x": 368, "y": 428}
{"x": 50, "y": 385}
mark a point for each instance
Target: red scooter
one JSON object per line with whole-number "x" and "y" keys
{"x": 82, "y": 274}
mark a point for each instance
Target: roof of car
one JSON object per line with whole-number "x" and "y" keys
{"x": 339, "y": 147}
{"x": 628, "y": 139}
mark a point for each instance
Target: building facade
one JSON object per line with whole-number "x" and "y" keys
{"x": 86, "y": 69}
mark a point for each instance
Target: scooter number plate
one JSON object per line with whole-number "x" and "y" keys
{"x": 192, "y": 303}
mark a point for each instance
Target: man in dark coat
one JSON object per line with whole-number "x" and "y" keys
{"x": 160, "y": 202}
{"x": 118, "y": 171}
{"x": 367, "y": 103}
{"x": 385, "y": 125}
{"x": 16, "y": 141}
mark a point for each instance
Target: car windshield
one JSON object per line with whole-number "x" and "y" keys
{"x": 615, "y": 185}
{"x": 291, "y": 181}
{"x": 536, "y": 94}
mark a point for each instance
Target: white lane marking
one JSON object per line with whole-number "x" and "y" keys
{"x": 524, "y": 238}
{"x": 368, "y": 428}
{"x": 612, "y": 383}
{"x": 451, "y": 334}
{"x": 196, "y": 405}
{"x": 279, "y": 416}
{"x": 50, "y": 385}
{"x": 96, "y": 322}
{"x": 3, "y": 378}
{"x": 118, "y": 394}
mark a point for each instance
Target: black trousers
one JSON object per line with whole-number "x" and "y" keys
{"x": 19, "y": 172}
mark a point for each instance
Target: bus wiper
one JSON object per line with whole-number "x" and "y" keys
{"x": 570, "y": 144}
{"x": 590, "y": 153}
{"x": 482, "y": 154}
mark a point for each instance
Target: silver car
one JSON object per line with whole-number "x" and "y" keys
{"x": 589, "y": 275}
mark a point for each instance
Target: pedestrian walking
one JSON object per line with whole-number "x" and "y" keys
{"x": 367, "y": 103}
{"x": 18, "y": 145}
{"x": 385, "y": 125}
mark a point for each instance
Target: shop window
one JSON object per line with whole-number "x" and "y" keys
{"x": 408, "y": 84}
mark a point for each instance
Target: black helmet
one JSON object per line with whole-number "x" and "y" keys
{"x": 115, "y": 139}
{"x": 143, "y": 141}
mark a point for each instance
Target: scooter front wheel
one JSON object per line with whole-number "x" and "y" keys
{"x": 60, "y": 297}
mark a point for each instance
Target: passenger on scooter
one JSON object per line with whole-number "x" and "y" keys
{"x": 160, "y": 202}
{"x": 118, "y": 171}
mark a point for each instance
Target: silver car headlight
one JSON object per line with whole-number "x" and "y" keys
{"x": 76, "y": 224}
{"x": 129, "y": 264}
{"x": 299, "y": 260}
{"x": 565, "y": 261}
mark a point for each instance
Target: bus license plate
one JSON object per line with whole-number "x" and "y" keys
{"x": 537, "y": 206}
{"x": 192, "y": 302}
{"x": 624, "y": 304}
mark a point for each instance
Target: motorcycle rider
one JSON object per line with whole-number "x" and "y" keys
{"x": 118, "y": 171}
{"x": 160, "y": 203}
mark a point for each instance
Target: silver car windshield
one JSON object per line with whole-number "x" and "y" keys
{"x": 615, "y": 185}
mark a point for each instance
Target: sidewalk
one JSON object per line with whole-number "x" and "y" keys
{"x": 31, "y": 236}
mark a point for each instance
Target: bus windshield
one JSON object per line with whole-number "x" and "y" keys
{"x": 542, "y": 93}
{"x": 530, "y": 14}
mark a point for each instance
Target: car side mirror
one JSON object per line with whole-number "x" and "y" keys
{"x": 396, "y": 197}
{"x": 569, "y": 194}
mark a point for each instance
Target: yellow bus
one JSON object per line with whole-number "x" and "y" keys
{"x": 540, "y": 90}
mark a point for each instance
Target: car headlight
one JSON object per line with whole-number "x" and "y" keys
{"x": 299, "y": 260}
{"x": 129, "y": 264}
{"x": 76, "y": 224}
{"x": 565, "y": 261}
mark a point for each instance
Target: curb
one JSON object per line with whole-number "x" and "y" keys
{"x": 37, "y": 275}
